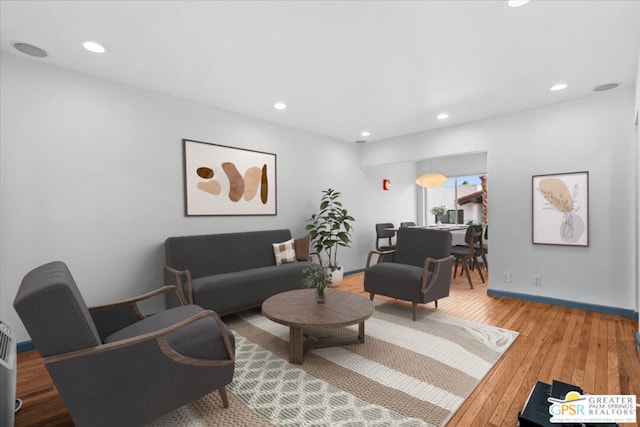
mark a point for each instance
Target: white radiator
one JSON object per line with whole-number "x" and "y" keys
{"x": 7, "y": 376}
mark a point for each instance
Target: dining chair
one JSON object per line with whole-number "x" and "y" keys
{"x": 407, "y": 224}
{"x": 483, "y": 247}
{"x": 385, "y": 236}
{"x": 467, "y": 254}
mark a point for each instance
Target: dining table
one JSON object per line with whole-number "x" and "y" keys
{"x": 457, "y": 231}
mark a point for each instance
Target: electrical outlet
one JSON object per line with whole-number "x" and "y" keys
{"x": 507, "y": 276}
{"x": 537, "y": 280}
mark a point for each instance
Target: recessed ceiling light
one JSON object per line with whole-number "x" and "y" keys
{"x": 94, "y": 47}
{"x": 365, "y": 133}
{"x": 516, "y": 3}
{"x": 559, "y": 86}
{"x": 280, "y": 106}
{"x": 605, "y": 87}
{"x": 442, "y": 116}
{"x": 29, "y": 49}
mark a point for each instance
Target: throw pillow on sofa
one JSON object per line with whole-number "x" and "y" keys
{"x": 284, "y": 252}
{"x": 301, "y": 246}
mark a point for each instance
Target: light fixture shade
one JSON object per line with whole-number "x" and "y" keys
{"x": 516, "y": 3}
{"x": 430, "y": 180}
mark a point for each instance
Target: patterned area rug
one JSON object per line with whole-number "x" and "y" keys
{"x": 405, "y": 374}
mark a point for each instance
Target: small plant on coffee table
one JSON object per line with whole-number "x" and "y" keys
{"x": 318, "y": 277}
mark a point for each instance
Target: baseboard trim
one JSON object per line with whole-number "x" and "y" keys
{"x": 23, "y": 346}
{"x": 565, "y": 303}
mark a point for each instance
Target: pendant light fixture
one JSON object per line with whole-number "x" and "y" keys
{"x": 429, "y": 180}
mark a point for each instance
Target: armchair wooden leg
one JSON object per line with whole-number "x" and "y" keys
{"x": 414, "y": 306}
{"x": 371, "y": 295}
{"x": 224, "y": 396}
{"x": 436, "y": 303}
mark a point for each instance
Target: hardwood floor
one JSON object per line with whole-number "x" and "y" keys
{"x": 595, "y": 351}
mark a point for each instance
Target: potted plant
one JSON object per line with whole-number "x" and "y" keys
{"x": 330, "y": 229}
{"x": 316, "y": 276}
{"x": 439, "y": 212}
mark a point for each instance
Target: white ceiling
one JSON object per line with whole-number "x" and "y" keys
{"x": 342, "y": 66}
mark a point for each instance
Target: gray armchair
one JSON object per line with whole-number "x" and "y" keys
{"x": 112, "y": 365}
{"x": 420, "y": 271}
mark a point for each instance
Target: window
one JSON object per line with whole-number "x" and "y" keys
{"x": 464, "y": 194}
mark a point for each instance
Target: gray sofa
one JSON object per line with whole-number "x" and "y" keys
{"x": 232, "y": 272}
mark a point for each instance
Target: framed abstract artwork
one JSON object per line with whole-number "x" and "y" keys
{"x": 561, "y": 209}
{"x": 222, "y": 180}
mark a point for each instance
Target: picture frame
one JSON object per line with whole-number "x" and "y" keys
{"x": 560, "y": 205}
{"x": 220, "y": 180}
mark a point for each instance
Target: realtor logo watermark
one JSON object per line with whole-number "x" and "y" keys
{"x": 592, "y": 408}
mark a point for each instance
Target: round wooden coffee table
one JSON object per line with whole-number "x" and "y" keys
{"x": 300, "y": 312}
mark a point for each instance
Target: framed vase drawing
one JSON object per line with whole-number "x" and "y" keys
{"x": 223, "y": 180}
{"x": 561, "y": 209}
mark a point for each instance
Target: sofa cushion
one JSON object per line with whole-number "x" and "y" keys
{"x": 284, "y": 252}
{"x": 200, "y": 339}
{"x": 233, "y": 292}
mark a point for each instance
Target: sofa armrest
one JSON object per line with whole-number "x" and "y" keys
{"x": 426, "y": 285}
{"x": 133, "y": 302}
{"x": 185, "y": 295}
{"x": 109, "y": 318}
{"x": 380, "y": 254}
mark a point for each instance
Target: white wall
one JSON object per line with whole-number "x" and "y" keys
{"x": 594, "y": 134}
{"x": 637, "y": 192}
{"x": 397, "y": 204}
{"x": 91, "y": 174}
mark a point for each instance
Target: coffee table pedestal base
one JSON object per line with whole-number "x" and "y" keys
{"x": 302, "y": 341}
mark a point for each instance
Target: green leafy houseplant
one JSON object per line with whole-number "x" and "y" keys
{"x": 439, "y": 210}
{"x": 330, "y": 228}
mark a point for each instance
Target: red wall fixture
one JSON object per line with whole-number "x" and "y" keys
{"x": 386, "y": 184}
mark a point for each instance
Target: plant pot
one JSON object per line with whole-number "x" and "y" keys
{"x": 442, "y": 218}
{"x": 337, "y": 275}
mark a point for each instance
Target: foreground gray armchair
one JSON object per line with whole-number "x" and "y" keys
{"x": 112, "y": 365}
{"x": 420, "y": 271}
